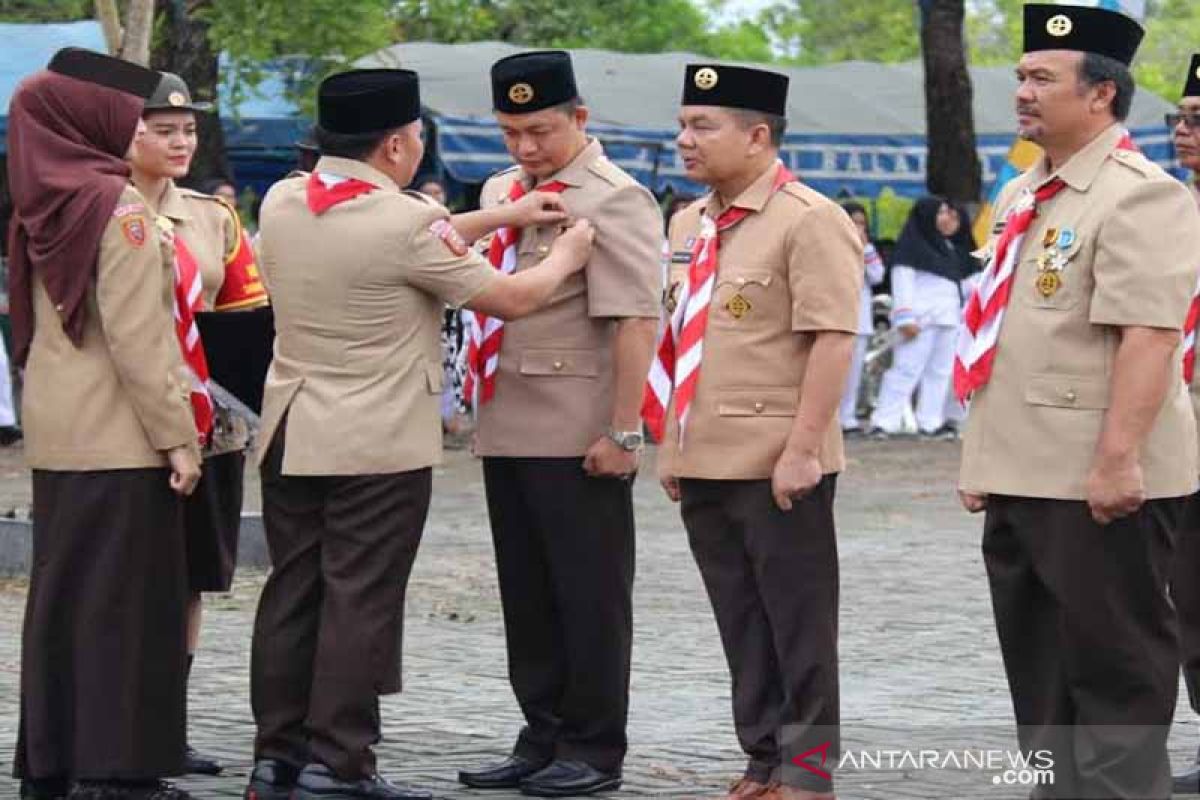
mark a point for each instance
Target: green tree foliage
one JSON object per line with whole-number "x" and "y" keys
{"x": 825, "y": 31}
{"x": 44, "y": 10}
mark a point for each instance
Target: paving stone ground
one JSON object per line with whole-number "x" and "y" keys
{"x": 920, "y": 667}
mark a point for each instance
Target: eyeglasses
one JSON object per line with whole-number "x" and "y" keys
{"x": 1191, "y": 121}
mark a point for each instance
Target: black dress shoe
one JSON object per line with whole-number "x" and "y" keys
{"x": 10, "y": 434}
{"x": 271, "y": 780}
{"x": 569, "y": 779}
{"x": 44, "y": 788}
{"x": 319, "y": 782}
{"x": 126, "y": 790}
{"x": 199, "y": 764}
{"x": 508, "y": 774}
{"x": 1188, "y": 781}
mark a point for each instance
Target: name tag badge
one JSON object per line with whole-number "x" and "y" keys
{"x": 681, "y": 257}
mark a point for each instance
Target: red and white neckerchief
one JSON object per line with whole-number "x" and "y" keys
{"x": 1189, "y": 337}
{"x": 676, "y": 367}
{"x": 485, "y": 334}
{"x": 980, "y": 332}
{"x": 325, "y": 190}
{"x": 189, "y": 291}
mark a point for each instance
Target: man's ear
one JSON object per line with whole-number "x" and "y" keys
{"x": 581, "y": 116}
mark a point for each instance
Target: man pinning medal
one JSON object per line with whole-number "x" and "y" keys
{"x": 743, "y": 394}
{"x": 1080, "y": 443}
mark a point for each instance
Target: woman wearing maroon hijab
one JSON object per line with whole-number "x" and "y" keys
{"x": 110, "y": 438}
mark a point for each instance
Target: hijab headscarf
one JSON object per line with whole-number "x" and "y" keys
{"x": 923, "y": 247}
{"x": 67, "y": 138}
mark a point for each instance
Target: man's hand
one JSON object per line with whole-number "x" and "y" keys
{"x": 973, "y": 503}
{"x": 670, "y": 485}
{"x": 575, "y": 243}
{"x": 795, "y": 476}
{"x": 537, "y": 209}
{"x": 185, "y": 469}
{"x": 605, "y": 459}
{"x": 909, "y": 331}
{"x": 1114, "y": 487}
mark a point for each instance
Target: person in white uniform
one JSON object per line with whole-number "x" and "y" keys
{"x": 930, "y": 267}
{"x": 873, "y": 265}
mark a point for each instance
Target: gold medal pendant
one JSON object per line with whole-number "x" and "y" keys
{"x": 1048, "y": 283}
{"x": 738, "y": 306}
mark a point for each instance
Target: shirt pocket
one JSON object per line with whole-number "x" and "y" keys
{"x": 740, "y": 295}
{"x": 1069, "y": 289}
{"x": 560, "y": 363}
{"x": 757, "y": 402}
{"x": 1067, "y": 391}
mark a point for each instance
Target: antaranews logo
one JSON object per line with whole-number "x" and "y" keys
{"x": 1009, "y": 767}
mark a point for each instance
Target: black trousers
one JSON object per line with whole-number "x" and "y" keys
{"x": 103, "y": 655}
{"x": 565, "y": 556}
{"x": 772, "y": 578}
{"x": 1089, "y": 640}
{"x": 1185, "y": 592}
{"x": 327, "y": 637}
{"x": 212, "y": 517}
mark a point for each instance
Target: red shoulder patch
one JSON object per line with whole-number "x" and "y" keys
{"x": 450, "y": 236}
{"x": 134, "y": 229}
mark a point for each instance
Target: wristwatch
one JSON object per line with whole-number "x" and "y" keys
{"x": 626, "y": 440}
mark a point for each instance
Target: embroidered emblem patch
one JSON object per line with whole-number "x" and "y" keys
{"x": 738, "y": 306}
{"x": 134, "y": 230}
{"x": 450, "y": 237}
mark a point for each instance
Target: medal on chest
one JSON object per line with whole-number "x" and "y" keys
{"x": 1053, "y": 260}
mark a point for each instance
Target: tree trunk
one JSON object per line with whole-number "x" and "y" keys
{"x": 953, "y": 169}
{"x": 139, "y": 24}
{"x": 183, "y": 48}
{"x": 110, "y": 23}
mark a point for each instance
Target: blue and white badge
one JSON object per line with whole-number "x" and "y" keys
{"x": 1066, "y": 238}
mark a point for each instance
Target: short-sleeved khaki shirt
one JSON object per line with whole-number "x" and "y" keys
{"x": 359, "y": 293}
{"x": 791, "y": 269}
{"x": 554, "y": 384}
{"x": 1134, "y": 235}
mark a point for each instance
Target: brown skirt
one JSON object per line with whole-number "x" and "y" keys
{"x": 212, "y": 518}
{"x": 104, "y": 657}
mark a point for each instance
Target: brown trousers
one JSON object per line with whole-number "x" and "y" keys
{"x": 772, "y": 578}
{"x": 1185, "y": 591}
{"x": 103, "y": 659}
{"x": 1089, "y": 640}
{"x": 327, "y": 637}
{"x": 565, "y": 557}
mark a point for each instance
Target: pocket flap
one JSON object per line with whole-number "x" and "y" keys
{"x": 573, "y": 363}
{"x": 780, "y": 402}
{"x": 435, "y": 377}
{"x": 1067, "y": 391}
{"x": 760, "y": 278}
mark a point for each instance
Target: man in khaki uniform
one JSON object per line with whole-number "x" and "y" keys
{"x": 359, "y": 273}
{"x": 748, "y": 401}
{"x": 560, "y": 439}
{"x": 1185, "y": 576}
{"x": 1080, "y": 441}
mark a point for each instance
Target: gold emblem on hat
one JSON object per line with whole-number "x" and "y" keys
{"x": 738, "y": 306}
{"x": 520, "y": 93}
{"x": 1059, "y": 26}
{"x": 1198, "y": 72}
{"x": 1048, "y": 283}
{"x": 706, "y": 78}
{"x": 176, "y": 99}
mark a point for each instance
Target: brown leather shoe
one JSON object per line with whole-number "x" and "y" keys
{"x": 780, "y": 792}
{"x": 746, "y": 789}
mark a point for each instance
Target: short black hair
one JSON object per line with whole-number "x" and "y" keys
{"x": 1095, "y": 69}
{"x": 355, "y": 146}
{"x": 569, "y": 107}
{"x": 776, "y": 124}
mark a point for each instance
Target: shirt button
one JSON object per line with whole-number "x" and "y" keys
{"x": 558, "y": 365}
{"x": 59, "y": 308}
{"x": 543, "y": 249}
{"x": 741, "y": 281}
{"x": 759, "y": 408}
{"x": 1071, "y": 396}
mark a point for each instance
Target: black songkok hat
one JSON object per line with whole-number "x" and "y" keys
{"x": 735, "y": 87}
{"x": 1192, "y": 87}
{"x": 1089, "y": 30}
{"x": 368, "y": 101}
{"x": 115, "y": 73}
{"x": 528, "y": 82}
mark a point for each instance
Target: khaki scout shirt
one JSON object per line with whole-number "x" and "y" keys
{"x": 1033, "y": 429}
{"x": 554, "y": 382}
{"x": 796, "y": 265}
{"x": 212, "y": 233}
{"x": 118, "y": 400}
{"x": 358, "y": 293}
